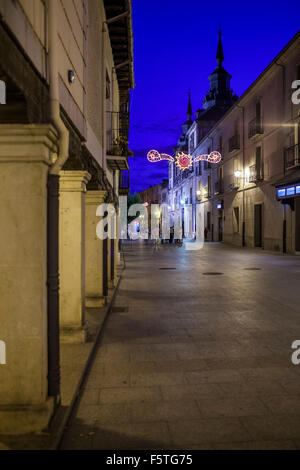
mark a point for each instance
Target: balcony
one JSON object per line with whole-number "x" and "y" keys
{"x": 292, "y": 157}
{"x": 255, "y": 127}
{"x": 117, "y": 140}
{"x": 124, "y": 183}
{"x": 234, "y": 143}
{"x": 255, "y": 174}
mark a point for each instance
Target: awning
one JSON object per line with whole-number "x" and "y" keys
{"x": 115, "y": 162}
{"x": 291, "y": 178}
{"x": 288, "y": 187}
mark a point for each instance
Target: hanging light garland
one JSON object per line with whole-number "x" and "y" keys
{"x": 213, "y": 157}
{"x": 155, "y": 156}
{"x": 183, "y": 160}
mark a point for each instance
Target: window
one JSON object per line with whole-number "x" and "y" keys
{"x": 208, "y": 186}
{"x": 258, "y": 163}
{"x": 220, "y": 144}
{"x": 107, "y": 86}
{"x": 258, "y": 110}
{"x": 192, "y": 142}
{"x": 236, "y": 219}
{"x": 208, "y": 221}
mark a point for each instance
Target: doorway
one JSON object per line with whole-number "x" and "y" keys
{"x": 297, "y": 224}
{"x": 220, "y": 229}
{"x": 258, "y": 225}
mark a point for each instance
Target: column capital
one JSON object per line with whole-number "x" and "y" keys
{"x": 23, "y": 143}
{"x": 95, "y": 197}
{"x": 73, "y": 181}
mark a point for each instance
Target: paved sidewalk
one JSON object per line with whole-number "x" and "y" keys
{"x": 193, "y": 360}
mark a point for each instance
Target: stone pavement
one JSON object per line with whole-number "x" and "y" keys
{"x": 195, "y": 360}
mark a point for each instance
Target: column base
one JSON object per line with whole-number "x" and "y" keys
{"x": 24, "y": 419}
{"x": 73, "y": 334}
{"x": 94, "y": 302}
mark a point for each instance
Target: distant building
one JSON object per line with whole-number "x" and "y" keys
{"x": 217, "y": 101}
{"x": 157, "y": 194}
{"x": 252, "y": 197}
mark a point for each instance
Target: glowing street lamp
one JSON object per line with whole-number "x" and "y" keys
{"x": 237, "y": 173}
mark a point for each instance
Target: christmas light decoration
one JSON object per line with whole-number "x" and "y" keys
{"x": 213, "y": 157}
{"x": 155, "y": 156}
{"x": 184, "y": 161}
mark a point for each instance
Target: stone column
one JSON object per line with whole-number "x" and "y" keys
{"x": 110, "y": 282}
{"x": 25, "y": 156}
{"x": 94, "y": 251}
{"x": 72, "y": 255}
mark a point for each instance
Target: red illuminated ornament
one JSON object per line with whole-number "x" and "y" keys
{"x": 184, "y": 161}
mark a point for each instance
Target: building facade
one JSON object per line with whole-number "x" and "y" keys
{"x": 66, "y": 70}
{"x": 184, "y": 184}
{"x": 258, "y": 137}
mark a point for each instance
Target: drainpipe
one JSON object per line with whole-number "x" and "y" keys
{"x": 283, "y": 114}
{"x": 63, "y": 152}
{"x": 103, "y": 70}
{"x": 53, "y": 210}
{"x": 243, "y": 148}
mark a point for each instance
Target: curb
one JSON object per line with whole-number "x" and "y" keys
{"x": 65, "y": 421}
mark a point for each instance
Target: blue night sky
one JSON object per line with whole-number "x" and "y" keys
{"x": 175, "y": 45}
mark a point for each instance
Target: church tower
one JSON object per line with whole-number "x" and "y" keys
{"x": 219, "y": 94}
{"x": 182, "y": 143}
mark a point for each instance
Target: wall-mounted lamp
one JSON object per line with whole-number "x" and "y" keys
{"x": 237, "y": 173}
{"x": 71, "y": 76}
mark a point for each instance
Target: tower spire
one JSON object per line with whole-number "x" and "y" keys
{"x": 220, "y": 55}
{"x": 189, "y": 108}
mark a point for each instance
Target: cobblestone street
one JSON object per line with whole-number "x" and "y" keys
{"x": 196, "y": 354}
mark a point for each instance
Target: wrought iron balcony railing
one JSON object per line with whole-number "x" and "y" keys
{"x": 234, "y": 143}
{"x": 292, "y": 157}
{"x": 117, "y": 131}
{"x": 255, "y": 127}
